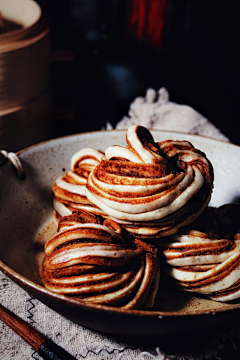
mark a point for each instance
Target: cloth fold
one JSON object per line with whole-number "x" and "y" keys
{"x": 156, "y": 112}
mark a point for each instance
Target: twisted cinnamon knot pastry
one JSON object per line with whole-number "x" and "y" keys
{"x": 98, "y": 264}
{"x": 69, "y": 190}
{"x": 151, "y": 188}
{"x": 205, "y": 263}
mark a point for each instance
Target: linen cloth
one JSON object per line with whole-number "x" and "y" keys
{"x": 157, "y": 112}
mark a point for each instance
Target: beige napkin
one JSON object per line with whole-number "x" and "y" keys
{"x": 154, "y": 111}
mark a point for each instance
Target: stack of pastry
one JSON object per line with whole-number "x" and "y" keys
{"x": 146, "y": 191}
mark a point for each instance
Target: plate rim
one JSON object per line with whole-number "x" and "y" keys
{"x": 19, "y": 152}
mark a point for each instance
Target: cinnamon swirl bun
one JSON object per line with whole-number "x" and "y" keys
{"x": 151, "y": 188}
{"x": 69, "y": 190}
{"x": 98, "y": 264}
{"x": 205, "y": 263}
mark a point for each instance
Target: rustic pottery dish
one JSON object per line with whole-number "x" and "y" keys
{"x": 27, "y": 222}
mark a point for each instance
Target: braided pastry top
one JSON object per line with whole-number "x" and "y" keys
{"x": 151, "y": 188}
{"x": 205, "y": 263}
{"x": 97, "y": 263}
{"x": 69, "y": 190}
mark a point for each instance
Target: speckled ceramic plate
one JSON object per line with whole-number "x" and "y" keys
{"x": 27, "y": 222}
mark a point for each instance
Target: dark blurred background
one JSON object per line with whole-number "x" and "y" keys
{"x": 107, "y": 52}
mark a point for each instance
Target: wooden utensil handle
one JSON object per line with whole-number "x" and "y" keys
{"x": 23, "y": 329}
{"x": 46, "y": 348}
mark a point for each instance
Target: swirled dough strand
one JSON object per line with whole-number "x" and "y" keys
{"x": 204, "y": 264}
{"x": 151, "y": 188}
{"x": 98, "y": 264}
{"x": 69, "y": 190}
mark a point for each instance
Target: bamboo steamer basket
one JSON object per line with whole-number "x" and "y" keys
{"x": 25, "y": 124}
{"x": 25, "y": 97}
